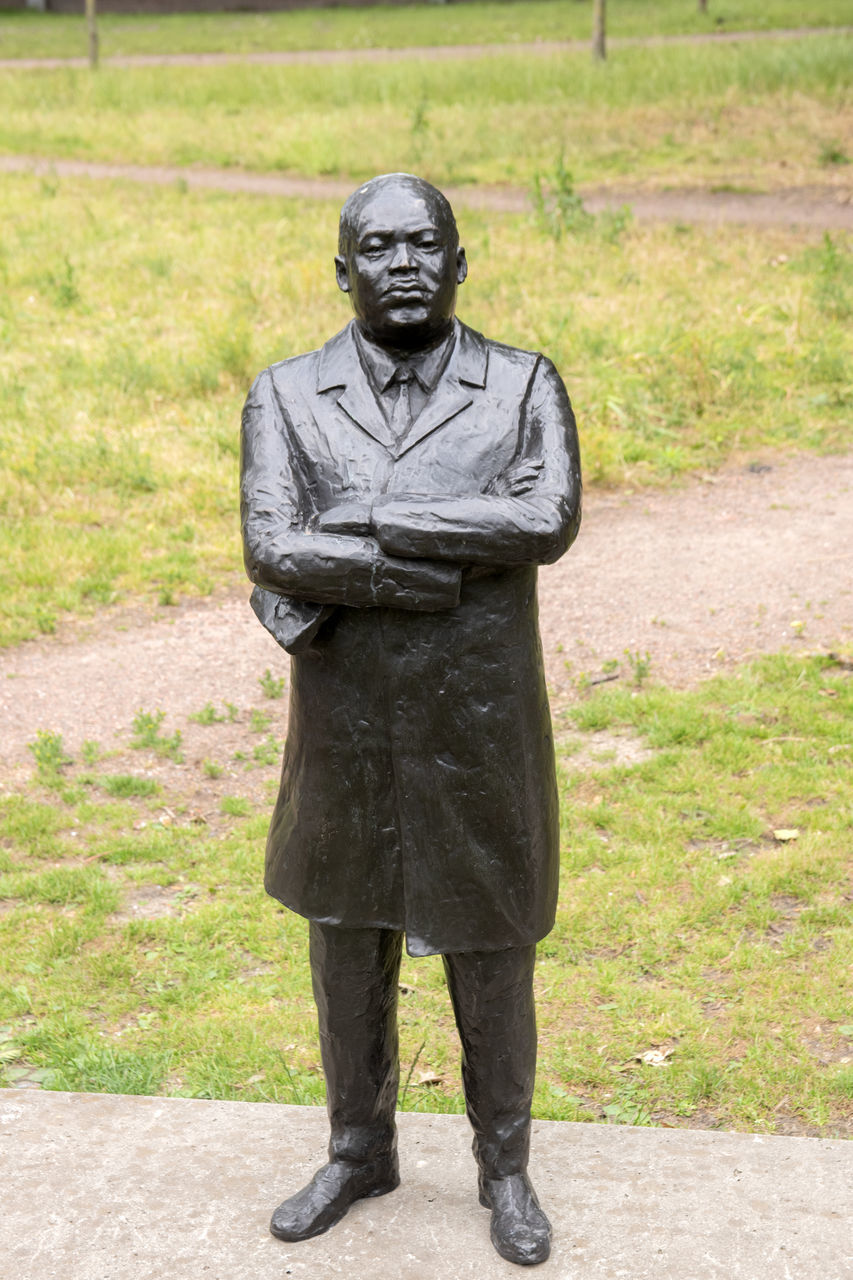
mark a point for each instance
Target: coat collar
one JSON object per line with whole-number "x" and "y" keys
{"x": 339, "y": 369}
{"x": 382, "y": 366}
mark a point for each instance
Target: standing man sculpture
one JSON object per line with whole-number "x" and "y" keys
{"x": 399, "y": 488}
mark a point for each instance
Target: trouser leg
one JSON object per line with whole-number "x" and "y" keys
{"x": 492, "y": 995}
{"x": 354, "y": 973}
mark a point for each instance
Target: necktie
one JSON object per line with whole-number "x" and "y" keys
{"x": 401, "y": 413}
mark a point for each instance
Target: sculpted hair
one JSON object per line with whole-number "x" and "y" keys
{"x": 356, "y": 202}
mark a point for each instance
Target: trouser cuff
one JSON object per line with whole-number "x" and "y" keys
{"x": 362, "y": 1144}
{"x": 504, "y": 1152}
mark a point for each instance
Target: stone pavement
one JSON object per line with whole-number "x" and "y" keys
{"x": 102, "y": 1187}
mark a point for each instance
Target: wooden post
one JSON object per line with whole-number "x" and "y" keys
{"x": 703, "y": 6}
{"x": 92, "y": 29}
{"x": 599, "y": 50}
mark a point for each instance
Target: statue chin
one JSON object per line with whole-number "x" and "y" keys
{"x": 407, "y": 330}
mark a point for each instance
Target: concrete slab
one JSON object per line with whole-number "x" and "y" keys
{"x": 101, "y": 1187}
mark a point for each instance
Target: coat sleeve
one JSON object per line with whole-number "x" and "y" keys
{"x": 282, "y": 555}
{"x": 530, "y": 515}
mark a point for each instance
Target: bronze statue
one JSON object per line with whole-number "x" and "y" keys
{"x": 399, "y": 488}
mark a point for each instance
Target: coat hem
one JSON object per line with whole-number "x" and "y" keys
{"x": 415, "y": 945}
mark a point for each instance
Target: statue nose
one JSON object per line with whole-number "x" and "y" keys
{"x": 401, "y": 259}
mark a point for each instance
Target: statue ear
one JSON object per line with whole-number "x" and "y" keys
{"x": 461, "y": 266}
{"x": 341, "y": 274}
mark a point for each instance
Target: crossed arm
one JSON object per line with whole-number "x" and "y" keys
{"x": 404, "y": 551}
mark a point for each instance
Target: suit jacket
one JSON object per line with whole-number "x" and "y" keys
{"x": 418, "y": 788}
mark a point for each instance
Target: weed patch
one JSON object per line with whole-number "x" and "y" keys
{"x": 125, "y": 785}
{"x": 49, "y": 755}
{"x": 272, "y": 686}
{"x": 146, "y": 734}
{"x": 560, "y": 210}
{"x": 207, "y": 715}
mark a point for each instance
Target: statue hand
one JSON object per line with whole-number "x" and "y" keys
{"x": 521, "y": 479}
{"x": 348, "y": 517}
{"x": 517, "y": 481}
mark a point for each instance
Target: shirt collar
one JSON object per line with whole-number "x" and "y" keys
{"x": 382, "y": 364}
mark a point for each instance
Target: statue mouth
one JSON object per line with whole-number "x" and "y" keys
{"x": 406, "y": 291}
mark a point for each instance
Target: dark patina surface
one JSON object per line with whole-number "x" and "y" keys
{"x": 400, "y": 486}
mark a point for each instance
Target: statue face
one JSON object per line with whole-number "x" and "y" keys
{"x": 403, "y": 266}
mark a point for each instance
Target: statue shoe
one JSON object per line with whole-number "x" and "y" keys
{"x": 329, "y": 1195}
{"x": 520, "y": 1231}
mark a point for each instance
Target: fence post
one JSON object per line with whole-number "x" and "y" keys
{"x": 92, "y": 30}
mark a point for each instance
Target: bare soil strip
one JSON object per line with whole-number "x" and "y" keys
{"x": 814, "y": 208}
{"x": 420, "y": 53}
{"x": 747, "y": 561}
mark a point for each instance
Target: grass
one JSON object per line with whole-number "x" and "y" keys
{"x": 34, "y": 35}
{"x": 699, "y": 970}
{"x": 137, "y": 957}
{"x": 749, "y": 116}
{"x": 131, "y": 322}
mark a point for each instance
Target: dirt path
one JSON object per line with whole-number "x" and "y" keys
{"x": 743, "y": 562}
{"x": 420, "y": 53}
{"x": 813, "y": 208}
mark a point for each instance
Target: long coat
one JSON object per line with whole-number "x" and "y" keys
{"x": 418, "y": 790}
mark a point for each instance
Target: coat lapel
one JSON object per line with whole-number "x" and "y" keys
{"x": 466, "y": 368}
{"x": 340, "y": 370}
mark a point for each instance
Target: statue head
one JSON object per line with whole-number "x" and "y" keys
{"x": 400, "y": 260}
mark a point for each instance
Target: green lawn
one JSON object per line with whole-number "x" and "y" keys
{"x": 705, "y": 907}
{"x": 753, "y": 116}
{"x": 704, "y": 913}
{"x": 132, "y": 321}
{"x": 35, "y": 34}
